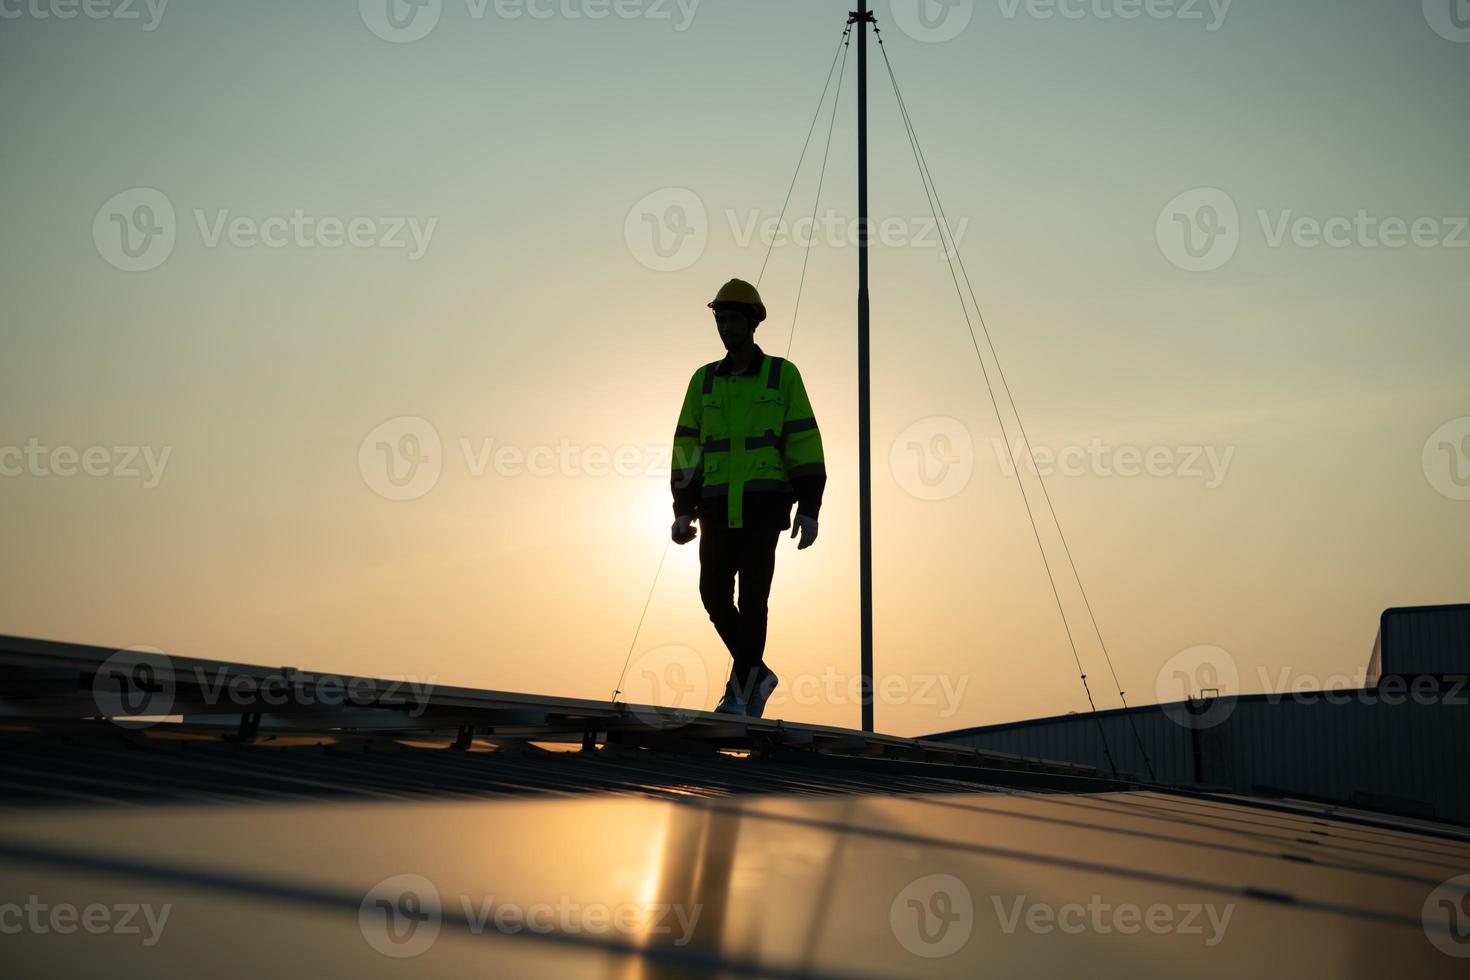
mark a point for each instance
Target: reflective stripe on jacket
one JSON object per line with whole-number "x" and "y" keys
{"x": 748, "y": 433}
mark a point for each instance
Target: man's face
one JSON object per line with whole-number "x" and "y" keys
{"x": 734, "y": 326}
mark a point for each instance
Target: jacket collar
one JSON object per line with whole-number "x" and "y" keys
{"x": 754, "y": 368}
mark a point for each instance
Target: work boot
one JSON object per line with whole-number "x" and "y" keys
{"x": 762, "y": 694}
{"x": 731, "y": 703}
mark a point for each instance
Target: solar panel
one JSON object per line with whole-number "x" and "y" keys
{"x": 1015, "y": 884}
{"x": 335, "y": 842}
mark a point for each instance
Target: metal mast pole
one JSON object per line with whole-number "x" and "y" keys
{"x": 863, "y": 17}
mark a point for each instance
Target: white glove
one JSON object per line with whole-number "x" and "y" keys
{"x": 807, "y": 527}
{"x": 683, "y": 530}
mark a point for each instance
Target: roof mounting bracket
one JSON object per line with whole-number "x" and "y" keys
{"x": 249, "y": 727}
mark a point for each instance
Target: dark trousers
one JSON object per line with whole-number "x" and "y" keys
{"x": 749, "y": 553}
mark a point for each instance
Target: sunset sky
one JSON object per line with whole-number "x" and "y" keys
{"x": 1306, "y": 398}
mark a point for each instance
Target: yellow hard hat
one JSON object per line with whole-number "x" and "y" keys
{"x": 740, "y": 291}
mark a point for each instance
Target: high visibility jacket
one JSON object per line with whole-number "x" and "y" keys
{"x": 747, "y": 445}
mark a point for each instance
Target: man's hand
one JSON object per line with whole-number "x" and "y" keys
{"x": 807, "y": 527}
{"x": 683, "y": 529}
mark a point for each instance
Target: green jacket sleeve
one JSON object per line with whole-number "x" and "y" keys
{"x": 686, "y": 475}
{"x": 801, "y": 445}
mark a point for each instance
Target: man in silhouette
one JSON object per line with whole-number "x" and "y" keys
{"x": 746, "y": 448}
